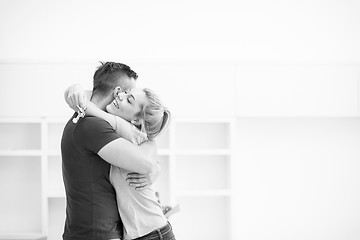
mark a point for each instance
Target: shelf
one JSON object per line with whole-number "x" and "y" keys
{"x": 203, "y": 193}
{"x": 197, "y": 120}
{"x": 56, "y": 209}
{"x": 17, "y": 120}
{"x": 202, "y": 173}
{"x": 20, "y": 153}
{"x": 162, "y": 141}
{"x": 225, "y": 152}
{"x": 54, "y": 153}
{"x": 20, "y": 136}
{"x": 202, "y": 135}
{"x": 22, "y": 236}
{"x": 57, "y": 153}
{"x": 163, "y": 152}
{"x": 162, "y": 183}
{"x": 21, "y": 201}
{"x": 30, "y": 157}
{"x": 54, "y": 133}
{"x": 55, "y": 181}
{"x": 212, "y": 218}
{"x": 56, "y": 195}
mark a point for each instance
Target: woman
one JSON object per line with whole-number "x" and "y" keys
{"x": 136, "y": 115}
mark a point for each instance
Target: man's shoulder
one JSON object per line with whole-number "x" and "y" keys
{"x": 94, "y": 133}
{"x": 93, "y": 122}
{"x": 91, "y": 119}
{"x": 92, "y": 125}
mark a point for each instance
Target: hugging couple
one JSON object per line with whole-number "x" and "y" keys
{"x": 109, "y": 159}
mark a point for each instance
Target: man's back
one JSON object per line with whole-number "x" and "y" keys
{"x": 91, "y": 210}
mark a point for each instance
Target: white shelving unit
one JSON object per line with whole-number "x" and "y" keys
{"x": 21, "y": 179}
{"x": 202, "y": 155}
{"x": 196, "y": 160}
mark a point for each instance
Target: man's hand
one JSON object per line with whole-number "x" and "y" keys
{"x": 141, "y": 181}
{"x": 75, "y": 97}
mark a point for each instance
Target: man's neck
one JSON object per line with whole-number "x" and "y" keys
{"x": 101, "y": 102}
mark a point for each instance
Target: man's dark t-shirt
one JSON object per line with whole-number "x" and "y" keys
{"x": 91, "y": 208}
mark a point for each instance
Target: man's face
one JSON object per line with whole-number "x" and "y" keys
{"x": 126, "y": 83}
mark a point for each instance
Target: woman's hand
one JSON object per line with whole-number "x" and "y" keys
{"x": 75, "y": 97}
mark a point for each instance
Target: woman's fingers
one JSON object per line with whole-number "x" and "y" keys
{"x": 71, "y": 101}
{"x": 76, "y": 99}
{"x": 84, "y": 101}
{"x": 81, "y": 99}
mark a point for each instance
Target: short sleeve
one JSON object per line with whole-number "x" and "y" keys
{"x": 93, "y": 133}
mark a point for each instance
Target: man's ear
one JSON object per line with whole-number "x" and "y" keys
{"x": 116, "y": 91}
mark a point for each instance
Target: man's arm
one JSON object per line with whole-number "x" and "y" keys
{"x": 142, "y": 160}
{"x": 125, "y": 129}
{"x": 124, "y": 154}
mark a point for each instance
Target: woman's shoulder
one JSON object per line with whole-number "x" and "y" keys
{"x": 137, "y": 136}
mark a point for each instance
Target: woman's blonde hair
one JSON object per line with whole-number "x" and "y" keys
{"x": 156, "y": 117}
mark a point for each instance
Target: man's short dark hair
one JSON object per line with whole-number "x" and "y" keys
{"x": 107, "y": 74}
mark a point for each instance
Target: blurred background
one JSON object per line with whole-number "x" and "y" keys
{"x": 265, "y": 97}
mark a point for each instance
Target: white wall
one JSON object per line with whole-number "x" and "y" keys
{"x": 302, "y": 90}
{"x": 297, "y": 178}
{"x": 310, "y": 31}
{"x": 36, "y": 88}
{"x": 282, "y": 62}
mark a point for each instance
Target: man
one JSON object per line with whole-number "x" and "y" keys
{"x": 88, "y": 148}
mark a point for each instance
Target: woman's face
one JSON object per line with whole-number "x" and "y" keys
{"x": 128, "y": 104}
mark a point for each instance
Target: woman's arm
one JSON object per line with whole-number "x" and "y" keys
{"x": 120, "y": 125}
{"x": 75, "y": 96}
